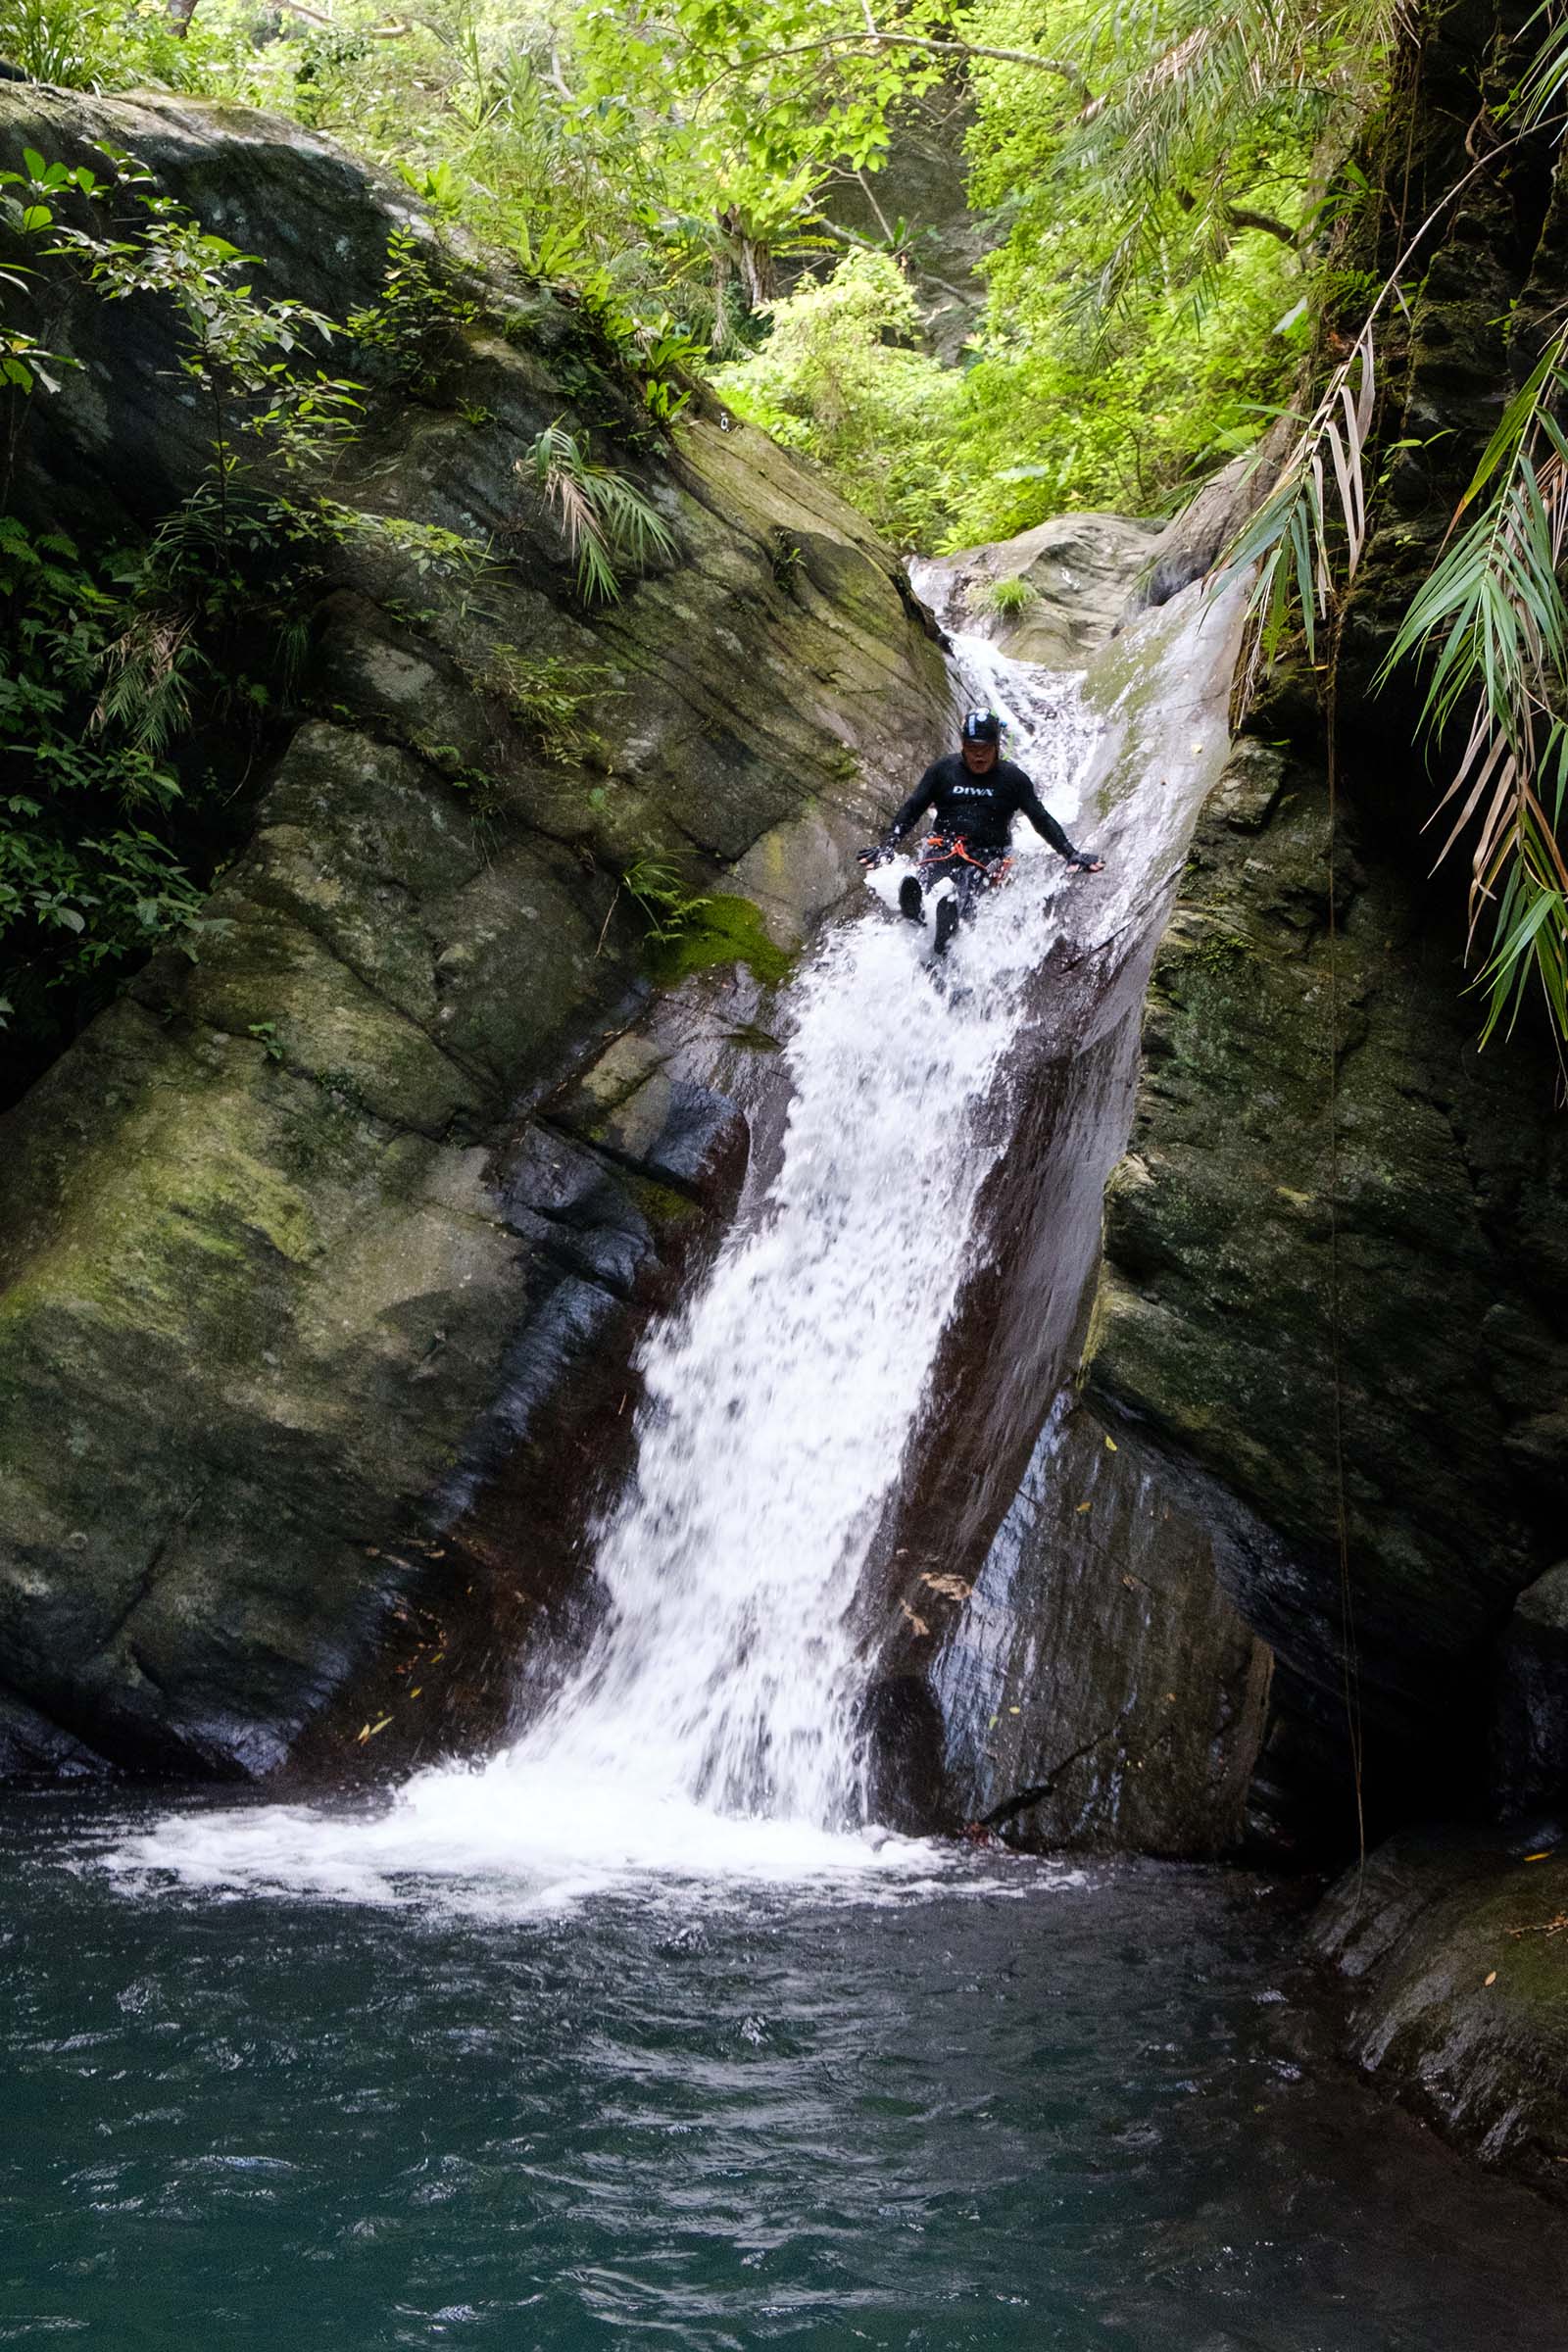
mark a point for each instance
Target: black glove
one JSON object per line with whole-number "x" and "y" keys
{"x": 1084, "y": 861}
{"x": 877, "y": 852}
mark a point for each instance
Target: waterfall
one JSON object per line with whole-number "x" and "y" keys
{"x": 779, "y": 1402}
{"x": 708, "y": 1730}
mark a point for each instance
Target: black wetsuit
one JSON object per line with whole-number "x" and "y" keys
{"x": 979, "y": 811}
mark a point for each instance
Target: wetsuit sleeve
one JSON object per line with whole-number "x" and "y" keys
{"x": 1031, "y": 805}
{"x": 920, "y": 798}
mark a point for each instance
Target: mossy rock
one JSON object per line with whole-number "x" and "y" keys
{"x": 722, "y": 930}
{"x": 261, "y": 1280}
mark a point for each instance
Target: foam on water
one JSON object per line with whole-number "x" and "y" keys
{"x": 710, "y": 1729}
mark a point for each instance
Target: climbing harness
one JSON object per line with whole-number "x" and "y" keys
{"x": 938, "y": 849}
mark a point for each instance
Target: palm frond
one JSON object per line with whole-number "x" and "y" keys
{"x": 604, "y": 518}
{"x": 1491, "y": 625}
{"x": 1184, "y": 81}
{"x": 1299, "y": 540}
{"x": 1546, "y": 81}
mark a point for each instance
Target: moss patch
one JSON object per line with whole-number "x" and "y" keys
{"x": 722, "y": 930}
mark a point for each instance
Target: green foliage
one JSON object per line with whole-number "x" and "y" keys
{"x": 1205, "y": 116}
{"x": 722, "y": 930}
{"x": 1007, "y": 597}
{"x": 95, "y": 684}
{"x": 840, "y": 379}
{"x": 607, "y": 520}
{"x": 266, "y": 1034}
{"x": 112, "y": 662}
{"x": 413, "y": 321}
{"x": 66, "y": 42}
{"x": 24, "y": 361}
{"x": 549, "y": 695}
{"x": 667, "y": 908}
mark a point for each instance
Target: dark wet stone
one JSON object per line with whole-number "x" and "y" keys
{"x": 1455, "y": 1952}
{"x": 1530, "y": 1730}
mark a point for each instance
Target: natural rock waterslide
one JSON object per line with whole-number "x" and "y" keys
{"x": 326, "y": 1259}
{"x": 823, "y": 1454}
{"x": 334, "y": 1305}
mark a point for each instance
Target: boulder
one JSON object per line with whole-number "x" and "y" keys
{"x": 1454, "y": 1951}
{"x": 1076, "y": 572}
{"x": 1529, "y": 1728}
{"x": 284, "y": 1279}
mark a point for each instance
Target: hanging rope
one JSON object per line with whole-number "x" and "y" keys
{"x": 1350, "y": 1660}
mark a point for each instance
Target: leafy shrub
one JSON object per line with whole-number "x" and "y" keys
{"x": 1006, "y": 598}
{"x": 840, "y": 379}
{"x": 94, "y": 689}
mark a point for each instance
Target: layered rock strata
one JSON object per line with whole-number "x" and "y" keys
{"x": 286, "y": 1221}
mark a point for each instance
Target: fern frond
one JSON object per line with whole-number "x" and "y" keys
{"x": 144, "y": 691}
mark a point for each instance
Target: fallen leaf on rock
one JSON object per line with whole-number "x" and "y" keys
{"x": 1082, "y": 1507}
{"x": 1492, "y": 1978}
{"x": 1111, "y": 1445}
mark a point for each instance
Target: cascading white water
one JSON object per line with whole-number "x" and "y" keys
{"x": 780, "y": 1400}
{"x": 709, "y": 1726}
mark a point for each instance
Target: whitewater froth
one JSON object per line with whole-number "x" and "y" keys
{"x": 710, "y": 1725}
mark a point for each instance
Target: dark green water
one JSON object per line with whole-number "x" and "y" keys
{"x": 1020, "y": 2111}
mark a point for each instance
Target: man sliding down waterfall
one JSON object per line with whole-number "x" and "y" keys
{"x": 974, "y": 795}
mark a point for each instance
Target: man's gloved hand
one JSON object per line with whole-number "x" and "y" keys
{"x": 876, "y": 852}
{"x": 1084, "y": 861}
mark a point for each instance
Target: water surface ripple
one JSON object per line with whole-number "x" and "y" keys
{"x": 1024, "y": 2106}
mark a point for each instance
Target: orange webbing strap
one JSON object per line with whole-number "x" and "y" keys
{"x": 951, "y": 845}
{"x": 995, "y": 869}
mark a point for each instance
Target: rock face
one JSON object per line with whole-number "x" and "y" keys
{"x": 1455, "y": 1950}
{"x": 923, "y": 183}
{"x": 1530, "y": 1722}
{"x": 1333, "y": 1253}
{"x": 286, "y": 1222}
{"x": 1100, "y": 1690}
{"x": 1078, "y": 573}
{"x": 1335, "y": 1290}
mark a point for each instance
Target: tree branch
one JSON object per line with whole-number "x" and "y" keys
{"x": 1240, "y": 217}
{"x": 1064, "y": 66}
{"x": 927, "y": 277}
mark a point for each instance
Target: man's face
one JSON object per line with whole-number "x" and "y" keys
{"x": 978, "y": 757}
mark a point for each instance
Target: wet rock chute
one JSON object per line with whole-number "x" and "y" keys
{"x": 717, "y": 1715}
